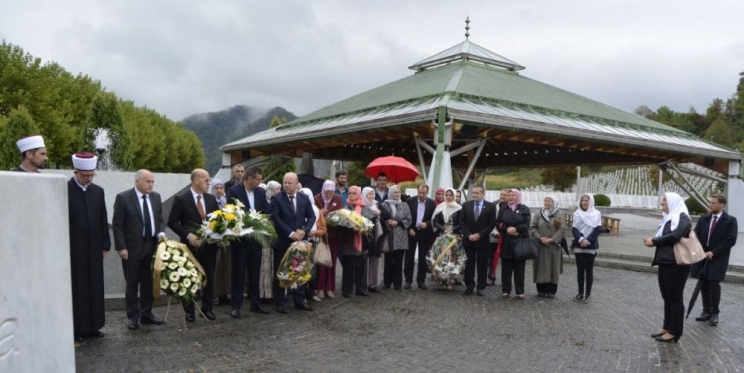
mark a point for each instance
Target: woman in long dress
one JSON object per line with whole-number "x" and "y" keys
{"x": 548, "y": 226}
{"x": 371, "y": 243}
{"x": 317, "y": 234}
{"x": 265, "y": 283}
{"x": 327, "y": 201}
{"x": 447, "y": 265}
{"x": 396, "y": 217}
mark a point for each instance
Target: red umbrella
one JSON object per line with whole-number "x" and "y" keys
{"x": 397, "y": 169}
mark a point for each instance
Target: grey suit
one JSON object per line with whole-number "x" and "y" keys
{"x": 129, "y": 233}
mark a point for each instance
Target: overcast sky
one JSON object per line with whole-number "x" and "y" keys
{"x": 187, "y": 57}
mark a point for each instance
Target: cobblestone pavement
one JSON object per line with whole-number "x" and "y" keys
{"x": 438, "y": 331}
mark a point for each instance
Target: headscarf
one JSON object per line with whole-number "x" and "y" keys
{"x": 222, "y": 201}
{"x": 517, "y": 193}
{"x": 677, "y": 207}
{"x": 357, "y": 205}
{"x": 270, "y": 186}
{"x": 327, "y": 185}
{"x": 437, "y": 192}
{"x": 447, "y": 208}
{"x": 372, "y": 204}
{"x": 393, "y": 203}
{"x": 546, "y": 214}
{"x": 586, "y": 221}
{"x": 309, "y": 194}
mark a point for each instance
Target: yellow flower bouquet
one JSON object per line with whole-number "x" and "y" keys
{"x": 350, "y": 219}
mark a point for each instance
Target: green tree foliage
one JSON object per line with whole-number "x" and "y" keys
{"x": 19, "y": 124}
{"x": 602, "y": 200}
{"x": 355, "y": 174}
{"x": 561, "y": 178}
{"x": 720, "y": 132}
{"x": 105, "y": 114}
{"x": 694, "y": 207}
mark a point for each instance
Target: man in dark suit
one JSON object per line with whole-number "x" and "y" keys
{"x": 293, "y": 217}
{"x": 717, "y": 233}
{"x": 190, "y": 208}
{"x": 419, "y": 234}
{"x": 246, "y": 253}
{"x": 138, "y": 224}
{"x": 477, "y": 220}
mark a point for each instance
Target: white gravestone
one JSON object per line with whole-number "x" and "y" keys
{"x": 36, "y": 331}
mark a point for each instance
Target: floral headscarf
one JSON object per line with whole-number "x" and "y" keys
{"x": 547, "y": 214}
{"x": 518, "y": 194}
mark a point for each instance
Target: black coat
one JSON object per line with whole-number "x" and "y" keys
{"x": 128, "y": 222}
{"x": 483, "y": 225}
{"x": 519, "y": 219}
{"x": 259, "y": 197}
{"x": 723, "y": 239}
{"x": 429, "y": 207}
{"x": 665, "y": 244}
{"x": 89, "y": 238}
{"x": 439, "y": 223}
{"x": 184, "y": 217}
{"x": 286, "y": 221}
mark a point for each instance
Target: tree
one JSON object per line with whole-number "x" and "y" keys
{"x": 105, "y": 114}
{"x": 277, "y": 121}
{"x": 720, "y": 132}
{"x": 19, "y": 124}
{"x": 561, "y": 178}
{"x": 644, "y": 111}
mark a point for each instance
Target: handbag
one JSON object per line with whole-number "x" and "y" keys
{"x": 688, "y": 250}
{"x": 323, "y": 254}
{"x": 525, "y": 248}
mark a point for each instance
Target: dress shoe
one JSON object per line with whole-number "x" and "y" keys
{"x": 210, "y": 315}
{"x": 386, "y": 286}
{"x": 479, "y": 292}
{"x": 260, "y": 309}
{"x": 657, "y": 335}
{"x": 281, "y": 309}
{"x": 150, "y": 320}
{"x": 398, "y": 288}
{"x": 713, "y": 320}
{"x": 362, "y": 293}
{"x": 422, "y": 285}
{"x": 97, "y": 334}
{"x": 235, "y": 313}
{"x": 703, "y": 317}
{"x": 541, "y": 295}
{"x": 578, "y": 298}
{"x": 662, "y": 339}
{"x": 190, "y": 317}
{"x": 468, "y": 291}
{"x": 315, "y": 298}
{"x": 374, "y": 289}
{"x": 550, "y": 295}
{"x": 407, "y": 285}
{"x": 587, "y": 298}
{"x": 303, "y": 307}
{"x": 132, "y": 324}
{"x": 320, "y": 294}
{"x": 346, "y": 295}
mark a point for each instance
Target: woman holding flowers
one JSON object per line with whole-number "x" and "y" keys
{"x": 354, "y": 258}
{"x": 327, "y": 201}
{"x": 317, "y": 234}
{"x": 447, "y": 263}
{"x": 223, "y": 268}
{"x": 370, "y": 244}
{"x": 396, "y": 217}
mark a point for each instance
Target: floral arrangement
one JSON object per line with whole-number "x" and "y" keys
{"x": 295, "y": 267}
{"x": 446, "y": 259}
{"x": 176, "y": 271}
{"x": 263, "y": 231}
{"x": 232, "y": 222}
{"x": 350, "y": 219}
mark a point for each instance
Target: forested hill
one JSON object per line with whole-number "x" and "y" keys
{"x": 218, "y": 128}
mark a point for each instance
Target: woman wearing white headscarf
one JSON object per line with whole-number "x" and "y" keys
{"x": 675, "y": 224}
{"x": 327, "y": 201}
{"x": 445, "y": 220}
{"x": 587, "y": 225}
{"x": 265, "y": 284}
{"x": 373, "y": 249}
{"x": 317, "y": 232}
{"x": 549, "y": 228}
{"x": 447, "y": 214}
{"x": 272, "y": 188}
{"x": 217, "y": 188}
{"x": 396, "y": 217}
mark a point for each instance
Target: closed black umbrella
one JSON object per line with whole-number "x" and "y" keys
{"x": 702, "y": 275}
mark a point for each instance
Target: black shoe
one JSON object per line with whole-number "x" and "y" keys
{"x": 281, "y": 309}
{"x": 578, "y": 298}
{"x": 703, "y": 317}
{"x": 190, "y": 317}
{"x": 260, "y": 309}
{"x": 422, "y": 285}
{"x": 468, "y": 291}
{"x": 541, "y": 295}
{"x": 660, "y": 339}
{"x": 98, "y": 334}
{"x": 133, "y": 324}
{"x": 386, "y": 286}
{"x": 362, "y": 293}
{"x": 346, "y": 295}
{"x": 479, "y": 292}
{"x": 398, "y": 288}
{"x": 223, "y": 300}
{"x": 151, "y": 320}
{"x": 587, "y": 298}
{"x": 235, "y": 313}
{"x": 374, "y": 289}
{"x": 713, "y": 320}
{"x": 657, "y": 335}
{"x": 79, "y": 337}
{"x": 210, "y": 315}
{"x": 407, "y": 285}
{"x": 303, "y": 307}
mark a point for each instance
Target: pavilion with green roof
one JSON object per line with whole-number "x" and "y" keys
{"x": 468, "y": 107}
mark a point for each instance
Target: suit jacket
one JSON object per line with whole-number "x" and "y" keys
{"x": 428, "y": 211}
{"x": 259, "y": 197}
{"x": 286, "y": 221}
{"x": 128, "y": 222}
{"x": 723, "y": 239}
{"x": 184, "y": 217}
{"x": 483, "y": 225}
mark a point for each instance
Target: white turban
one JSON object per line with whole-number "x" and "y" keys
{"x": 84, "y": 161}
{"x": 29, "y": 143}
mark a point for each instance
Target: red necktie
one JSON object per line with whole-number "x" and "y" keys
{"x": 200, "y": 208}
{"x": 712, "y": 227}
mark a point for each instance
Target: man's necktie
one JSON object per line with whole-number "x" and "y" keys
{"x": 477, "y": 210}
{"x": 712, "y": 227}
{"x": 200, "y": 208}
{"x": 292, "y": 205}
{"x": 146, "y": 214}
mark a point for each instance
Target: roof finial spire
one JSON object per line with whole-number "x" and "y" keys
{"x": 467, "y": 27}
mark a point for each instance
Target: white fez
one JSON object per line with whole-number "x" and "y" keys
{"x": 29, "y": 143}
{"x": 84, "y": 161}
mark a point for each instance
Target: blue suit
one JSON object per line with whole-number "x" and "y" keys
{"x": 245, "y": 254}
{"x": 287, "y": 221}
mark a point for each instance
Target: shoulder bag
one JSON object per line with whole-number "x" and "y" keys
{"x": 525, "y": 248}
{"x": 323, "y": 254}
{"x": 688, "y": 250}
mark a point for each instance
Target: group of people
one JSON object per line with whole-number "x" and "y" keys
{"x": 404, "y": 227}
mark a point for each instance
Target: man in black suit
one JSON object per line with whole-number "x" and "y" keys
{"x": 138, "y": 224}
{"x": 190, "y": 208}
{"x": 246, "y": 253}
{"x": 717, "y": 233}
{"x": 477, "y": 220}
{"x": 419, "y": 234}
{"x": 293, "y": 217}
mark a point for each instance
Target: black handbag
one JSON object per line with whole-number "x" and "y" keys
{"x": 525, "y": 248}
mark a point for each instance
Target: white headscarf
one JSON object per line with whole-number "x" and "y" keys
{"x": 372, "y": 204}
{"x": 393, "y": 203}
{"x": 677, "y": 207}
{"x": 309, "y": 194}
{"x": 447, "y": 208}
{"x": 270, "y": 186}
{"x": 586, "y": 221}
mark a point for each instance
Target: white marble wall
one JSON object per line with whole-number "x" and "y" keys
{"x": 36, "y": 331}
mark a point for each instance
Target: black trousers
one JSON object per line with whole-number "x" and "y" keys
{"x": 585, "y": 269}
{"x": 491, "y": 253}
{"x": 477, "y": 260}
{"x": 393, "y": 273}
{"x": 421, "y": 240}
{"x": 138, "y": 275}
{"x": 207, "y": 257}
{"x": 711, "y": 294}
{"x": 547, "y": 287}
{"x": 280, "y": 296}
{"x": 672, "y": 280}
{"x": 354, "y": 275}
{"x": 245, "y": 256}
{"x": 513, "y": 267}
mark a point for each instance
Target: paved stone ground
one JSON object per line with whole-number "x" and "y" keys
{"x": 438, "y": 331}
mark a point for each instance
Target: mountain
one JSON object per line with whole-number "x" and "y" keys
{"x": 221, "y": 127}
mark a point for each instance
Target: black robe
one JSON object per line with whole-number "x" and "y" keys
{"x": 89, "y": 237}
